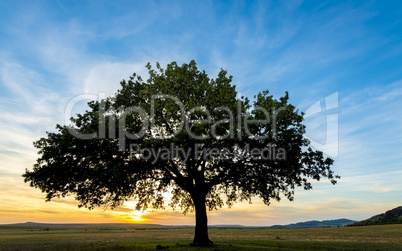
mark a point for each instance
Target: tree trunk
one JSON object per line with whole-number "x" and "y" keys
{"x": 201, "y": 223}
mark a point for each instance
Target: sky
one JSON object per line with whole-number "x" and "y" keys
{"x": 340, "y": 61}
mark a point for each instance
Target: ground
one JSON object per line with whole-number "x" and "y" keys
{"x": 111, "y": 237}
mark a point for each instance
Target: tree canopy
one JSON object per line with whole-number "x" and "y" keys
{"x": 180, "y": 132}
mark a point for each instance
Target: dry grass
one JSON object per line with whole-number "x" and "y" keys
{"x": 93, "y": 237}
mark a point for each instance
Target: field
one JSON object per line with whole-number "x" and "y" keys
{"x": 137, "y": 237}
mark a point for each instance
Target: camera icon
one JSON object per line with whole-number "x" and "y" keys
{"x": 322, "y": 125}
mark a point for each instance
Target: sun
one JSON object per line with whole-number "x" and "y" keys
{"x": 135, "y": 215}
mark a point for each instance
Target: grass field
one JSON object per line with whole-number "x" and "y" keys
{"x": 137, "y": 237}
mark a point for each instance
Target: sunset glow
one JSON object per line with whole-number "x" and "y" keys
{"x": 136, "y": 215}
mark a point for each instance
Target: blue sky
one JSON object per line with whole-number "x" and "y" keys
{"x": 52, "y": 51}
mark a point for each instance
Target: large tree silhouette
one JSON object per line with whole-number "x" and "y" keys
{"x": 184, "y": 133}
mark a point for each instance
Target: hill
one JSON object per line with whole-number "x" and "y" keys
{"x": 393, "y": 216}
{"x": 314, "y": 223}
{"x": 112, "y": 226}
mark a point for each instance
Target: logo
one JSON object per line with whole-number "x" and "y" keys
{"x": 321, "y": 121}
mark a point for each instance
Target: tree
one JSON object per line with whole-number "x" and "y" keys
{"x": 184, "y": 133}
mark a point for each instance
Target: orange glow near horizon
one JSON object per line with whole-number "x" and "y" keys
{"x": 136, "y": 215}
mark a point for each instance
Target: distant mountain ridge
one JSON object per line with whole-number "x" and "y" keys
{"x": 393, "y": 216}
{"x": 107, "y": 226}
{"x": 314, "y": 223}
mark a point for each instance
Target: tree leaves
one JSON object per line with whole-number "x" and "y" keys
{"x": 182, "y": 109}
